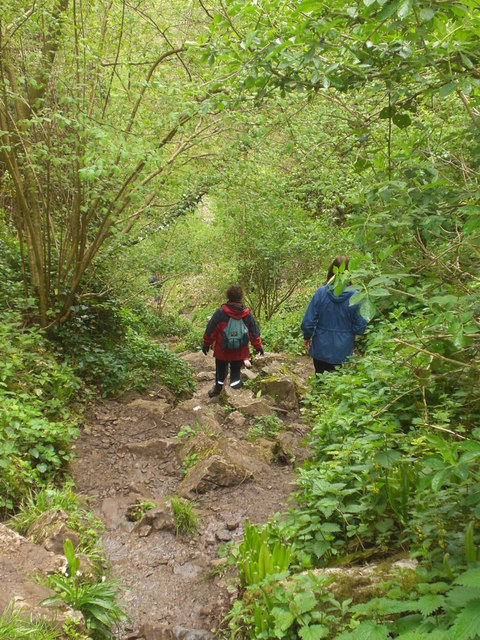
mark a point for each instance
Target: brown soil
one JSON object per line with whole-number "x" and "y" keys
{"x": 171, "y": 584}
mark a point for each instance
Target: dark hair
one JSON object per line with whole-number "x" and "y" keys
{"x": 235, "y": 293}
{"x": 339, "y": 260}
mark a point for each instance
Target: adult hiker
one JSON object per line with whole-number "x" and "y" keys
{"x": 330, "y": 323}
{"x": 230, "y": 330}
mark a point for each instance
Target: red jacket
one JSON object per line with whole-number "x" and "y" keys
{"x": 218, "y": 322}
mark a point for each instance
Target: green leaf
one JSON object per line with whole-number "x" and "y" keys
{"x": 369, "y": 630}
{"x": 368, "y": 310}
{"x": 426, "y": 14}
{"x": 404, "y": 9}
{"x": 438, "y": 480}
{"x": 447, "y": 89}
{"x": 384, "y": 525}
{"x": 430, "y": 603}
{"x": 470, "y": 578}
{"x": 387, "y": 458}
{"x": 466, "y": 61}
{"x": 320, "y": 547}
{"x": 304, "y": 602}
{"x": 467, "y": 623}
{"x": 402, "y": 120}
{"x": 309, "y": 5}
{"x": 313, "y": 632}
{"x": 387, "y": 11}
{"x": 459, "y": 596}
{"x": 283, "y": 619}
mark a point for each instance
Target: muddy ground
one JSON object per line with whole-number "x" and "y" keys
{"x": 172, "y": 585}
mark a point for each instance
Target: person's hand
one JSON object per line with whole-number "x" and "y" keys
{"x": 260, "y": 351}
{"x": 205, "y": 349}
{"x": 306, "y": 344}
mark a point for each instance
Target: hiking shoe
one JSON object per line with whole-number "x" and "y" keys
{"x": 237, "y": 386}
{"x": 216, "y": 391}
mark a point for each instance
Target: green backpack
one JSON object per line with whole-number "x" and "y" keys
{"x": 235, "y": 334}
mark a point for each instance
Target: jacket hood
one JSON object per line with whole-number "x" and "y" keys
{"x": 345, "y": 295}
{"x": 235, "y": 310}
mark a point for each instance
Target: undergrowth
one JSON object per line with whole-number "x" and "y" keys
{"x": 394, "y": 471}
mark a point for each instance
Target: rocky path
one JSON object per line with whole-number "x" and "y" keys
{"x": 130, "y": 451}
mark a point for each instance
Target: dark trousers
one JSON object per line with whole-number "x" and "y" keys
{"x": 321, "y": 366}
{"x": 221, "y": 370}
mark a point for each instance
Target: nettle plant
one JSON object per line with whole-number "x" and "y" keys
{"x": 388, "y": 470}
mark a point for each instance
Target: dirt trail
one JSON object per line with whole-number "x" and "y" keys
{"x": 168, "y": 593}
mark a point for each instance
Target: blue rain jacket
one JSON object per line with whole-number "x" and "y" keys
{"x": 332, "y": 323}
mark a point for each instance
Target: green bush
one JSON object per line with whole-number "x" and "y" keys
{"x": 111, "y": 350}
{"x": 282, "y": 332}
{"x": 36, "y": 425}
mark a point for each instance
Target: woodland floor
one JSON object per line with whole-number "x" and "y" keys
{"x": 171, "y": 588}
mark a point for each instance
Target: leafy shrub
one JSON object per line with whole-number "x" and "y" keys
{"x": 193, "y": 339}
{"x": 433, "y": 607}
{"x": 282, "y": 332}
{"x": 265, "y": 427}
{"x": 33, "y": 450}
{"x": 380, "y": 475}
{"x": 96, "y": 600}
{"x": 36, "y": 426}
{"x": 119, "y": 355}
{"x": 299, "y": 606}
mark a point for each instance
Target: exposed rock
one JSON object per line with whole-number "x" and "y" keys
{"x": 282, "y": 389}
{"x": 153, "y": 631}
{"x": 181, "y": 633}
{"x": 267, "y": 360}
{"x": 188, "y": 571}
{"x": 205, "y": 376}
{"x": 154, "y": 409}
{"x": 244, "y": 403}
{"x": 197, "y": 414}
{"x": 223, "y": 463}
{"x": 197, "y": 360}
{"x": 20, "y": 561}
{"x": 87, "y": 568}
{"x": 50, "y": 530}
{"x": 223, "y": 535}
{"x": 159, "y": 518}
{"x": 235, "y": 419}
{"x": 363, "y": 581}
{"x": 266, "y": 449}
{"x": 211, "y": 472}
{"x": 197, "y": 444}
{"x": 242, "y": 453}
{"x": 114, "y": 509}
{"x": 155, "y": 447}
{"x": 288, "y": 450}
